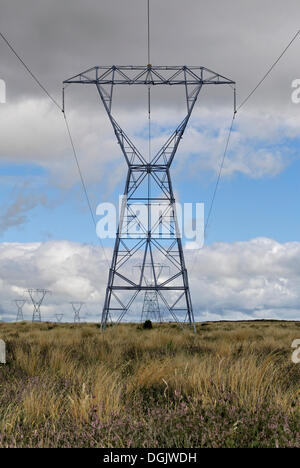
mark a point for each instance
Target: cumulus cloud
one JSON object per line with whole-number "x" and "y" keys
{"x": 243, "y": 280}
{"x": 255, "y": 278}
{"x": 72, "y": 272}
{"x": 260, "y": 146}
{"x": 34, "y": 132}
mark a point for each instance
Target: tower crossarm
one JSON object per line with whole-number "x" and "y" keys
{"x": 191, "y": 77}
{"x": 149, "y": 75}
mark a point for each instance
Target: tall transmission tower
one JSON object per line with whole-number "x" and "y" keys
{"x": 59, "y": 317}
{"x": 76, "y": 306}
{"x": 151, "y": 307}
{"x": 150, "y": 234}
{"x": 37, "y": 296}
{"x": 20, "y": 304}
{"x": 150, "y": 238}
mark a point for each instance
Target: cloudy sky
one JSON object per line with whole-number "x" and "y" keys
{"x": 248, "y": 267}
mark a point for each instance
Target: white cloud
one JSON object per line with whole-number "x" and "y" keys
{"x": 255, "y": 279}
{"x": 260, "y": 146}
{"x": 246, "y": 276}
{"x": 33, "y": 132}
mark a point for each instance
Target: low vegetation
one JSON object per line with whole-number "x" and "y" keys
{"x": 229, "y": 385}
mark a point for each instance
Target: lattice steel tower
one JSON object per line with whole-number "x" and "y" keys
{"x": 59, "y": 317}
{"x": 20, "y": 304}
{"x": 148, "y": 231}
{"x": 151, "y": 307}
{"x": 37, "y": 296}
{"x": 151, "y": 237}
{"x": 76, "y": 306}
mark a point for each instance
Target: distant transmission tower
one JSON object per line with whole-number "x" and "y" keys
{"x": 59, "y": 317}
{"x": 151, "y": 308}
{"x": 20, "y": 304}
{"x": 150, "y": 234}
{"x": 37, "y": 296}
{"x": 76, "y": 306}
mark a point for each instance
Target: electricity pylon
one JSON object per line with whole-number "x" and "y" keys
{"x": 76, "y": 306}
{"x": 20, "y": 304}
{"x": 37, "y": 296}
{"x": 59, "y": 317}
{"x": 151, "y": 307}
{"x": 150, "y": 237}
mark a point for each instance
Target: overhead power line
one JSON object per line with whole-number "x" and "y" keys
{"x": 269, "y": 71}
{"x": 220, "y": 173}
{"x": 83, "y": 182}
{"x": 229, "y": 136}
{"x": 148, "y": 19}
{"x": 30, "y": 71}
{"x": 62, "y": 109}
{"x": 232, "y": 123}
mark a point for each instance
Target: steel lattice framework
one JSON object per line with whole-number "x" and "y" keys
{"x": 154, "y": 239}
{"x": 151, "y": 308}
{"x": 37, "y": 296}
{"x": 76, "y": 306}
{"x": 20, "y": 304}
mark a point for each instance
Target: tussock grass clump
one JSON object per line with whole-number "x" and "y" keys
{"x": 229, "y": 385}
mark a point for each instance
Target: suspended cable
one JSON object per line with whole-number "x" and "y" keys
{"x": 149, "y": 114}
{"x": 149, "y": 123}
{"x": 234, "y": 116}
{"x": 231, "y": 128}
{"x": 83, "y": 182}
{"x": 219, "y": 174}
{"x": 217, "y": 185}
{"x": 30, "y": 72}
{"x": 61, "y": 108}
{"x": 79, "y": 169}
{"x": 149, "y": 86}
{"x": 269, "y": 71}
{"x": 148, "y": 18}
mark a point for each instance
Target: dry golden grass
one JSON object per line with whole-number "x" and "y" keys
{"x": 58, "y": 370}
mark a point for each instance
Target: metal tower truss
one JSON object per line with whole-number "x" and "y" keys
{"x": 37, "y": 296}
{"x": 20, "y": 304}
{"x": 59, "y": 317}
{"x": 152, "y": 309}
{"x": 76, "y": 306}
{"x": 148, "y": 231}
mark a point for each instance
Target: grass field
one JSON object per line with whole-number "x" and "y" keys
{"x": 230, "y": 385}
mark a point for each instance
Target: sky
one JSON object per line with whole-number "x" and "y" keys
{"x": 248, "y": 267}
